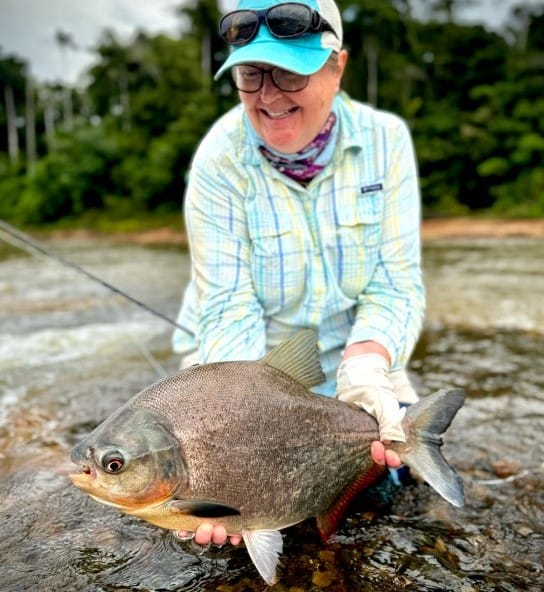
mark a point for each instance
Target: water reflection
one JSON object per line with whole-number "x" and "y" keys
{"x": 70, "y": 354}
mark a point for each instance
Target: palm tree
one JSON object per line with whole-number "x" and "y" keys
{"x": 12, "y": 81}
{"x": 65, "y": 42}
{"x": 11, "y": 120}
{"x": 203, "y": 16}
{"x": 30, "y": 122}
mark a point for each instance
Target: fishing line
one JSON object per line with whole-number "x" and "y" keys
{"x": 144, "y": 351}
{"x": 37, "y": 246}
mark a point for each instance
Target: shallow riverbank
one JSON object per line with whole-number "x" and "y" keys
{"x": 439, "y": 228}
{"x": 71, "y": 353}
{"x": 432, "y": 229}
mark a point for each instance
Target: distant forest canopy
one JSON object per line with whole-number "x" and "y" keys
{"x": 122, "y": 144}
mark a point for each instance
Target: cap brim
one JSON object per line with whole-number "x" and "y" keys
{"x": 303, "y": 55}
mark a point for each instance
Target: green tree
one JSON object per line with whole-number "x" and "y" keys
{"x": 200, "y": 18}
{"x": 71, "y": 179}
{"x": 171, "y": 105}
{"x": 512, "y": 114}
{"x": 473, "y": 99}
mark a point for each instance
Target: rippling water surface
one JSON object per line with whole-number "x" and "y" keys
{"x": 71, "y": 353}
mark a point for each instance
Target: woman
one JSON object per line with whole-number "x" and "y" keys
{"x": 303, "y": 210}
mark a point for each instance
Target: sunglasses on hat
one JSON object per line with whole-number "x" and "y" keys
{"x": 284, "y": 21}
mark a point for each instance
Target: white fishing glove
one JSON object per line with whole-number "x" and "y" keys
{"x": 402, "y": 387}
{"x": 365, "y": 381}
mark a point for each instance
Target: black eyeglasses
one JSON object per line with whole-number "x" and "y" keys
{"x": 250, "y": 79}
{"x": 284, "y": 21}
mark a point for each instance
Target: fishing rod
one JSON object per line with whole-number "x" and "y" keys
{"x": 41, "y": 248}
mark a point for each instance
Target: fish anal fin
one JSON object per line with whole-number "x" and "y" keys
{"x": 264, "y": 548}
{"x": 328, "y": 523}
{"x": 202, "y": 508}
{"x": 298, "y": 357}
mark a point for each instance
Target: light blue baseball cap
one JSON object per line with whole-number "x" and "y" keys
{"x": 303, "y": 55}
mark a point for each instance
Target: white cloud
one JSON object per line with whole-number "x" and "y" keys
{"x": 28, "y": 28}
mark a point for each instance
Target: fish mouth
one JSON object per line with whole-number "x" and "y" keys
{"x": 84, "y": 477}
{"x": 86, "y": 481}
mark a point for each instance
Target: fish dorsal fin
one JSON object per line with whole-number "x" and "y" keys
{"x": 264, "y": 548}
{"x": 328, "y": 523}
{"x": 298, "y": 357}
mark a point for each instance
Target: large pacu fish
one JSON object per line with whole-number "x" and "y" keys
{"x": 247, "y": 445}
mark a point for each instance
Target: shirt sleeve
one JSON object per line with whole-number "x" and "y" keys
{"x": 231, "y": 325}
{"x": 390, "y": 309}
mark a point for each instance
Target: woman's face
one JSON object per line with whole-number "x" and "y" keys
{"x": 288, "y": 121}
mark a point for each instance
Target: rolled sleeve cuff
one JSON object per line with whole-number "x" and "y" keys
{"x": 372, "y": 334}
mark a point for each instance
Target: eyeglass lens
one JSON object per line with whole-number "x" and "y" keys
{"x": 284, "y": 21}
{"x": 250, "y": 79}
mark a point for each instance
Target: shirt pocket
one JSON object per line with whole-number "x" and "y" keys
{"x": 278, "y": 266}
{"x": 354, "y": 249}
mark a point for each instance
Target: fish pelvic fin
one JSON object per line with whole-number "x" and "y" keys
{"x": 298, "y": 357}
{"x": 328, "y": 523}
{"x": 426, "y": 421}
{"x": 264, "y": 548}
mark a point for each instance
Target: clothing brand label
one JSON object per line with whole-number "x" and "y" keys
{"x": 371, "y": 188}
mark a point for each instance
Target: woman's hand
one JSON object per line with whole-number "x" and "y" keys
{"x": 382, "y": 456}
{"x": 363, "y": 379}
{"x": 208, "y": 533}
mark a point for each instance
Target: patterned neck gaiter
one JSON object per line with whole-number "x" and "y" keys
{"x": 304, "y": 165}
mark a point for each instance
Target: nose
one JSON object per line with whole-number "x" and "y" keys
{"x": 269, "y": 91}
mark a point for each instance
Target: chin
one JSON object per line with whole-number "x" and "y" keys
{"x": 287, "y": 147}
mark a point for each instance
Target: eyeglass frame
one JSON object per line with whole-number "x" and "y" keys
{"x": 269, "y": 71}
{"x": 316, "y": 24}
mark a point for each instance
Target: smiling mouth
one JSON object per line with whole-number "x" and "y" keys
{"x": 279, "y": 114}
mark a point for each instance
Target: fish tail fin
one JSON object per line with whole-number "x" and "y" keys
{"x": 424, "y": 423}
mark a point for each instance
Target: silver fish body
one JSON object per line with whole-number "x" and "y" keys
{"x": 247, "y": 445}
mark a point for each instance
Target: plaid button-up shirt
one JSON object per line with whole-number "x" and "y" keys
{"x": 269, "y": 256}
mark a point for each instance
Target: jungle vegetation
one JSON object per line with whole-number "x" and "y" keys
{"x": 119, "y": 144}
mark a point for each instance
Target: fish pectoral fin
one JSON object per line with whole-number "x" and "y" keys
{"x": 202, "y": 508}
{"x": 264, "y": 548}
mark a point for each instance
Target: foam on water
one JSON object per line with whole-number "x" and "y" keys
{"x": 54, "y": 346}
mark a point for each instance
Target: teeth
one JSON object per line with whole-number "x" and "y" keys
{"x": 278, "y": 115}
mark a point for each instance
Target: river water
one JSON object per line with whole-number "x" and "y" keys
{"x": 71, "y": 352}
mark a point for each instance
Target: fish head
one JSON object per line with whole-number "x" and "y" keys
{"x": 131, "y": 461}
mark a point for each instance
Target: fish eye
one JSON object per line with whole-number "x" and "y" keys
{"x": 113, "y": 462}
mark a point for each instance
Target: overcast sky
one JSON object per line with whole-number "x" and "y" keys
{"x": 28, "y": 27}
